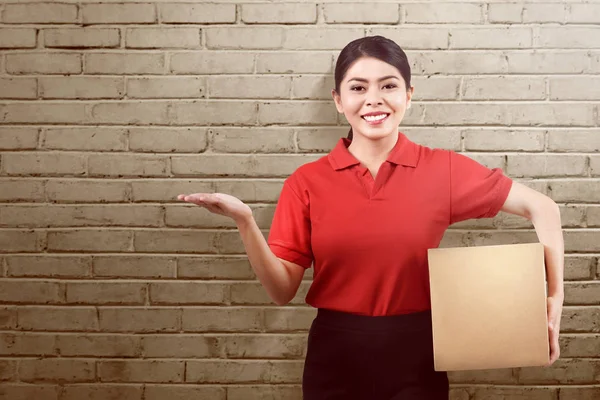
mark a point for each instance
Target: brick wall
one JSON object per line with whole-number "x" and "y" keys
{"x": 111, "y": 289}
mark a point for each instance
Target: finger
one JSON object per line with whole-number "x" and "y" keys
{"x": 181, "y": 197}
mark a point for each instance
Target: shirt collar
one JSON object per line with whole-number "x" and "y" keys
{"x": 404, "y": 152}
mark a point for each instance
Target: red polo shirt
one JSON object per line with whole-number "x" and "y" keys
{"x": 368, "y": 238}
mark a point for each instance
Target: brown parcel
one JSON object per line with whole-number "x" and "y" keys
{"x": 488, "y": 306}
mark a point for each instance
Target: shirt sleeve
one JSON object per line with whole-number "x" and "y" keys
{"x": 290, "y": 233}
{"x": 475, "y": 190}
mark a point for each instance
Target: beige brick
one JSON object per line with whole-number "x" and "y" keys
{"x": 56, "y": 369}
{"x": 446, "y": 138}
{"x": 197, "y": 13}
{"x": 494, "y": 38}
{"x": 167, "y": 190}
{"x": 505, "y": 13}
{"x": 562, "y": 372}
{"x": 580, "y": 319}
{"x": 17, "y": 138}
{"x": 574, "y": 88}
{"x": 18, "y": 88}
{"x": 129, "y": 113}
{"x": 266, "y": 190}
{"x": 230, "y": 319}
{"x": 141, "y": 371}
{"x": 534, "y": 165}
{"x": 436, "y": 88}
{"x": 253, "y": 140}
{"x": 292, "y": 13}
{"x": 320, "y": 38}
{"x": 208, "y": 112}
{"x": 230, "y": 242}
{"x": 595, "y": 165}
{"x": 244, "y": 38}
{"x": 85, "y": 138}
{"x": 163, "y": 88}
{"x": 593, "y": 216}
{"x": 312, "y": 87}
{"x": 28, "y": 392}
{"x": 289, "y": 319}
{"x": 410, "y": 37}
{"x": 520, "y": 393}
{"x": 81, "y": 37}
{"x": 23, "y": 344}
{"x": 106, "y": 293}
{"x": 319, "y": 139}
{"x": 124, "y": 63}
{"x": 263, "y": 346}
{"x": 583, "y": 13}
{"x": 578, "y": 114}
{"x": 443, "y": 13}
{"x": 102, "y": 392}
{"x": 578, "y": 268}
{"x": 171, "y": 241}
{"x": 40, "y": 13}
{"x": 140, "y": 320}
{"x": 98, "y": 345}
{"x": 44, "y": 163}
{"x": 88, "y": 215}
{"x": 572, "y": 216}
{"x": 8, "y": 317}
{"x": 17, "y": 38}
{"x": 21, "y": 190}
{"x": 90, "y": 240}
{"x": 214, "y": 267}
{"x": 20, "y": 241}
{"x": 79, "y": 87}
{"x": 180, "y": 346}
{"x": 89, "y": 190}
{"x": 44, "y": 113}
{"x": 361, "y": 13}
{"x": 453, "y": 62}
{"x": 48, "y": 266}
{"x": 239, "y": 165}
{"x": 504, "y": 88}
{"x": 252, "y": 293}
{"x": 571, "y": 37}
{"x": 576, "y": 140}
{"x": 189, "y": 293}
{"x": 572, "y": 346}
{"x": 503, "y": 140}
{"x": 255, "y": 87}
{"x": 30, "y": 292}
{"x": 212, "y": 62}
{"x": 157, "y": 38}
{"x": 118, "y": 13}
{"x": 8, "y": 370}
{"x": 288, "y": 392}
{"x": 187, "y": 391}
{"x": 548, "y": 62}
{"x": 228, "y": 371}
{"x": 134, "y": 267}
{"x": 579, "y": 393}
{"x": 282, "y": 62}
{"x": 584, "y": 191}
{"x": 163, "y": 140}
{"x": 543, "y": 13}
{"x": 582, "y": 293}
{"x": 43, "y": 63}
{"x": 296, "y": 112}
{"x": 493, "y": 376}
{"x": 582, "y": 240}
{"x": 127, "y": 165}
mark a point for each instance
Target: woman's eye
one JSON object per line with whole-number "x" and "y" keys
{"x": 353, "y": 88}
{"x": 391, "y": 84}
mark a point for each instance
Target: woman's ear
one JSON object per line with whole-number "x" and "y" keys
{"x": 338, "y": 101}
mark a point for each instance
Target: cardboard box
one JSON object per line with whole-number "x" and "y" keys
{"x": 488, "y": 306}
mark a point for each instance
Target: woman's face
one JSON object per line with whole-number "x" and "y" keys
{"x": 372, "y": 86}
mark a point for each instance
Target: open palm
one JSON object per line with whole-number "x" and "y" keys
{"x": 219, "y": 203}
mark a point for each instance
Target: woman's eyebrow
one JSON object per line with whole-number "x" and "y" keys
{"x": 379, "y": 80}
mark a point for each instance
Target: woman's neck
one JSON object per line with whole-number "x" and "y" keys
{"x": 372, "y": 153}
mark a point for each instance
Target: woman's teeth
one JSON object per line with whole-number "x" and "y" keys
{"x": 375, "y": 117}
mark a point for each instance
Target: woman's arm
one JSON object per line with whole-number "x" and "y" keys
{"x": 543, "y": 212}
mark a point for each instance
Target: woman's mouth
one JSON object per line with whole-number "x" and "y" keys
{"x": 375, "y": 119}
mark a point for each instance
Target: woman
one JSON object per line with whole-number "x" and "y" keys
{"x": 365, "y": 215}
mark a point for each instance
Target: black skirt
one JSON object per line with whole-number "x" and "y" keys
{"x": 359, "y": 357}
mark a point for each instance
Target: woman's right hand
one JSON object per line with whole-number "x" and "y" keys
{"x": 220, "y": 203}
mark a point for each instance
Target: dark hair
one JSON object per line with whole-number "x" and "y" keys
{"x": 378, "y": 47}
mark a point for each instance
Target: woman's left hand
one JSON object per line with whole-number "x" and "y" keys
{"x": 554, "y": 313}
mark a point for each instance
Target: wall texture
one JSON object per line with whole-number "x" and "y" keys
{"x": 111, "y": 289}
